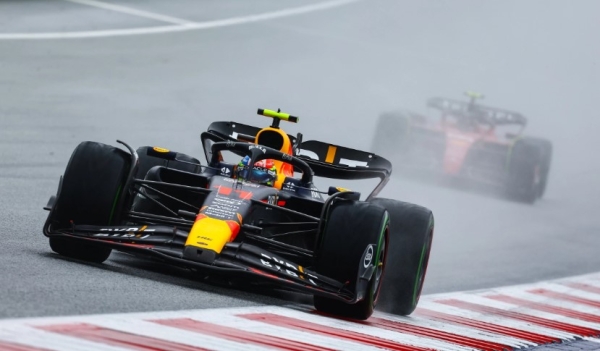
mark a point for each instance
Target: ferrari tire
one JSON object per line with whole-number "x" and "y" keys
{"x": 525, "y": 171}
{"x": 546, "y": 150}
{"x": 89, "y": 193}
{"x": 410, "y": 239}
{"x": 354, "y": 233}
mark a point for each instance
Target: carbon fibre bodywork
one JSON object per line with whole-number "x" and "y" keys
{"x": 275, "y": 233}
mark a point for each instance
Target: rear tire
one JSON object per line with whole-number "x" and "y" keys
{"x": 546, "y": 147}
{"x": 525, "y": 171}
{"x": 89, "y": 194}
{"x": 410, "y": 239}
{"x": 351, "y": 230}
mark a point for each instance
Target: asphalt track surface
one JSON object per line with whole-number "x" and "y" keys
{"x": 337, "y": 69}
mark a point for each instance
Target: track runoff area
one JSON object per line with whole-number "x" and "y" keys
{"x": 556, "y": 315}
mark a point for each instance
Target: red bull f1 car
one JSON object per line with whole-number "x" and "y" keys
{"x": 469, "y": 141}
{"x": 260, "y": 219}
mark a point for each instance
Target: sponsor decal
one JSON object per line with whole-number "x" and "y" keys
{"x": 315, "y": 193}
{"x": 225, "y": 171}
{"x": 121, "y": 235}
{"x": 264, "y": 151}
{"x": 244, "y": 183}
{"x": 286, "y": 157}
{"x": 224, "y": 207}
{"x": 308, "y": 153}
{"x": 160, "y": 149}
{"x": 127, "y": 229}
{"x": 124, "y": 232}
{"x": 289, "y": 186}
{"x": 368, "y": 256}
{"x": 230, "y": 143}
{"x": 353, "y": 163}
{"x": 287, "y": 267}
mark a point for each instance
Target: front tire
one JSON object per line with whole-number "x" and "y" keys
{"x": 89, "y": 194}
{"x": 410, "y": 239}
{"x": 353, "y": 229}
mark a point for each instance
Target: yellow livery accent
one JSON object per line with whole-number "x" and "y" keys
{"x": 330, "y": 154}
{"x": 160, "y": 149}
{"x": 283, "y": 169}
{"x": 209, "y": 233}
{"x": 278, "y": 115}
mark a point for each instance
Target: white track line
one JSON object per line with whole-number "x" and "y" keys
{"x": 132, "y": 11}
{"x": 178, "y": 27}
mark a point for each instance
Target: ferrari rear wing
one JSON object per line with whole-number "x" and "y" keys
{"x": 490, "y": 114}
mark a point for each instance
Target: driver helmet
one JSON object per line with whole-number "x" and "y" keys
{"x": 262, "y": 172}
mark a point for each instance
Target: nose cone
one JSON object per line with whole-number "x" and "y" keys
{"x": 208, "y": 237}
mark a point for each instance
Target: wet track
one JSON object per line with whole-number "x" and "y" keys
{"x": 337, "y": 69}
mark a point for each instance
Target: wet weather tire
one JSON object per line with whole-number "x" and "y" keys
{"x": 525, "y": 171}
{"x": 354, "y": 233}
{"x": 410, "y": 238}
{"x": 89, "y": 194}
{"x": 546, "y": 148}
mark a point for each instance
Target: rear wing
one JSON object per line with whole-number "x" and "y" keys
{"x": 326, "y": 160}
{"x": 488, "y": 114}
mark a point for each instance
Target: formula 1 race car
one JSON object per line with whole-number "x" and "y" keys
{"x": 261, "y": 219}
{"x": 469, "y": 142}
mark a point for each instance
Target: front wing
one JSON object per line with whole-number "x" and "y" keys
{"x": 237, "y": 259}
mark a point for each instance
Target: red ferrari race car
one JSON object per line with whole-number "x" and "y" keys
{"x": 258, "y": 217}
{"x": 469, "y": 141}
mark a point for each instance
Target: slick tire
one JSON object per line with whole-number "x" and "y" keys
{"x": 150, "y": 158}
{"x": 410, "y": 239}
{"x": 90, "y": 190}
{"x": 355, "y": 232}
{"x": 525, "y": 171}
